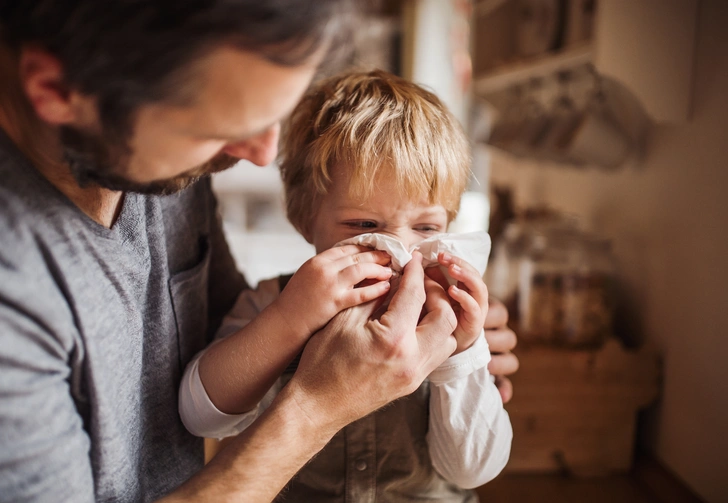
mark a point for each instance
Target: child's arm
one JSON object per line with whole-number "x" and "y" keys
{"x": 237, "y": 371}
{"x": 470, "y": 433}
{"x": 469, "y": 436}
{"x": 198, "y": 413}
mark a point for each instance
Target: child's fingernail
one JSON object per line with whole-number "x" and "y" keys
{"x": 456, "y": 269}
{"x": 446, "y": 256}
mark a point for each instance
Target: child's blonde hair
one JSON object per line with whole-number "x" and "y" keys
{"x": 372, "y": 124}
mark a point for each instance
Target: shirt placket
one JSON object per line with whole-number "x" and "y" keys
{"x": 361, "y": 461}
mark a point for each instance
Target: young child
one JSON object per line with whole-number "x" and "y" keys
{"x": 364, "y": 153}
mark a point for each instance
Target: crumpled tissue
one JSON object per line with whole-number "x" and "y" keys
{"x": 473, "y": 247}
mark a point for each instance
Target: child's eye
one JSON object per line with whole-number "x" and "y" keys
{"x": 428, "y": 228}
{"x": 362, "y": 224}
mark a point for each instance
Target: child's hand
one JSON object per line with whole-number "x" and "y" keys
{"x": 470, "y": 298}
{"x": 326, "y": 284}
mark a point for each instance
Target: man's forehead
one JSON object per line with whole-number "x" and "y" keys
{"x": 238, "y": 93}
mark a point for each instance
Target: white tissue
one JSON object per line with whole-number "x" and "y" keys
{"x": 472, "y": 247}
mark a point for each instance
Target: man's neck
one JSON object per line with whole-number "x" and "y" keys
{"x": 40, "y": 143}
{"x": 101, "y": 205}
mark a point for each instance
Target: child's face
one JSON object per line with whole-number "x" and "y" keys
{"x": 341, "y": 217}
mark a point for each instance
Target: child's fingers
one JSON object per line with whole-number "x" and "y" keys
{"x": 457, "y": 264}
{"x": 470, "y": 307}
{"x": 355, "y": 274}
{"x": 364, "y": 294}
{"x": 355, "y": 254}
{"x": 470, "y": 279}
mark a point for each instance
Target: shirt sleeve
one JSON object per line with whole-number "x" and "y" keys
{"x": 44, "y": 449}
{"x": 469, "y": 437}
{"x": 198, "y": 413}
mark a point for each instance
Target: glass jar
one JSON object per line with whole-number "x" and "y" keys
{"x": 520, "y": 240}
{"x": 566, "y": 290}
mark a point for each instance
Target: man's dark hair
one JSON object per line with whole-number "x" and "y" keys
{"x": 130, "y": 52}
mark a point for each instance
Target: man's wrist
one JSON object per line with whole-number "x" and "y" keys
{"x": 315, "y": 422}
{"x": 258, "y": 463}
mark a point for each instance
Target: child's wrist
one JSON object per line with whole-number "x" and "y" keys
{"x": 297, "y": 325}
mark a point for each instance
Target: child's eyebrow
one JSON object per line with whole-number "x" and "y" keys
{"x": 434, "y": 211}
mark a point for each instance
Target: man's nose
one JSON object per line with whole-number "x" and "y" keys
{"x": 260, "y": 150}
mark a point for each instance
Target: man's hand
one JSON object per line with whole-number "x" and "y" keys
{"x": 501, "y": 340}
{"x": 357, "y": 364}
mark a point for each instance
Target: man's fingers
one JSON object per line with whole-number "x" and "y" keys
{"x": 497, "y": 314}
{"x": 434, "y": 332}
{"x": 500, "y": 341}
{"x": 435, "y": 295}
{"x": 434, "y": 335}
{"x": 505, "y": 388}
{"x": 503, "y": 364}
{"x": 436, "y": 274}
{"x": 409, "y": 298}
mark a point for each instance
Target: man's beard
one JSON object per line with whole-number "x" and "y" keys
{"x": 93, "y": 161}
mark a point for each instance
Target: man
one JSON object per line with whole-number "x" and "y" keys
{"x": 112, "y": 261}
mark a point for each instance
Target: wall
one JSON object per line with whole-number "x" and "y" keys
{"x": 668, "y": 216}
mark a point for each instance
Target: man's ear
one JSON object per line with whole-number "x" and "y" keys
{"x": 41, "y": 76}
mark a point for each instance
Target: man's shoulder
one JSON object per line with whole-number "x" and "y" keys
{"x": 27, "y": 212}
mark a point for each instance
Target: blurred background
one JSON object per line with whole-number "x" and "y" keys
{"x": 600, "y": 169}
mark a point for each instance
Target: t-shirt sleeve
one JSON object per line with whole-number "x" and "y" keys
{"x": 44, "y": 450}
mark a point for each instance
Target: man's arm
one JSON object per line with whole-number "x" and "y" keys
{"x": 350, "y": 368}
{"x": 256, "y": 464}
{"x": 44, "y": 450}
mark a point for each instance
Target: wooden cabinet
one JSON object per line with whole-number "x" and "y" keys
{"x": 575, "y": 411}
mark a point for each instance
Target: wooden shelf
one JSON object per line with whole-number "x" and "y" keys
{"x": 644, "y": 47}
{"x": 522, "y": 71}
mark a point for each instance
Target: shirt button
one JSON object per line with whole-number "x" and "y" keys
{"x": 360, "y": 465}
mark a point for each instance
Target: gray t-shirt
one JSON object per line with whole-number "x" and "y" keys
{"x": 96, "y": 328}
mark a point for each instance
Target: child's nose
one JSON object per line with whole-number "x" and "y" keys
{"x": 406, "y": 238}
{"x": 260, "y": 150}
